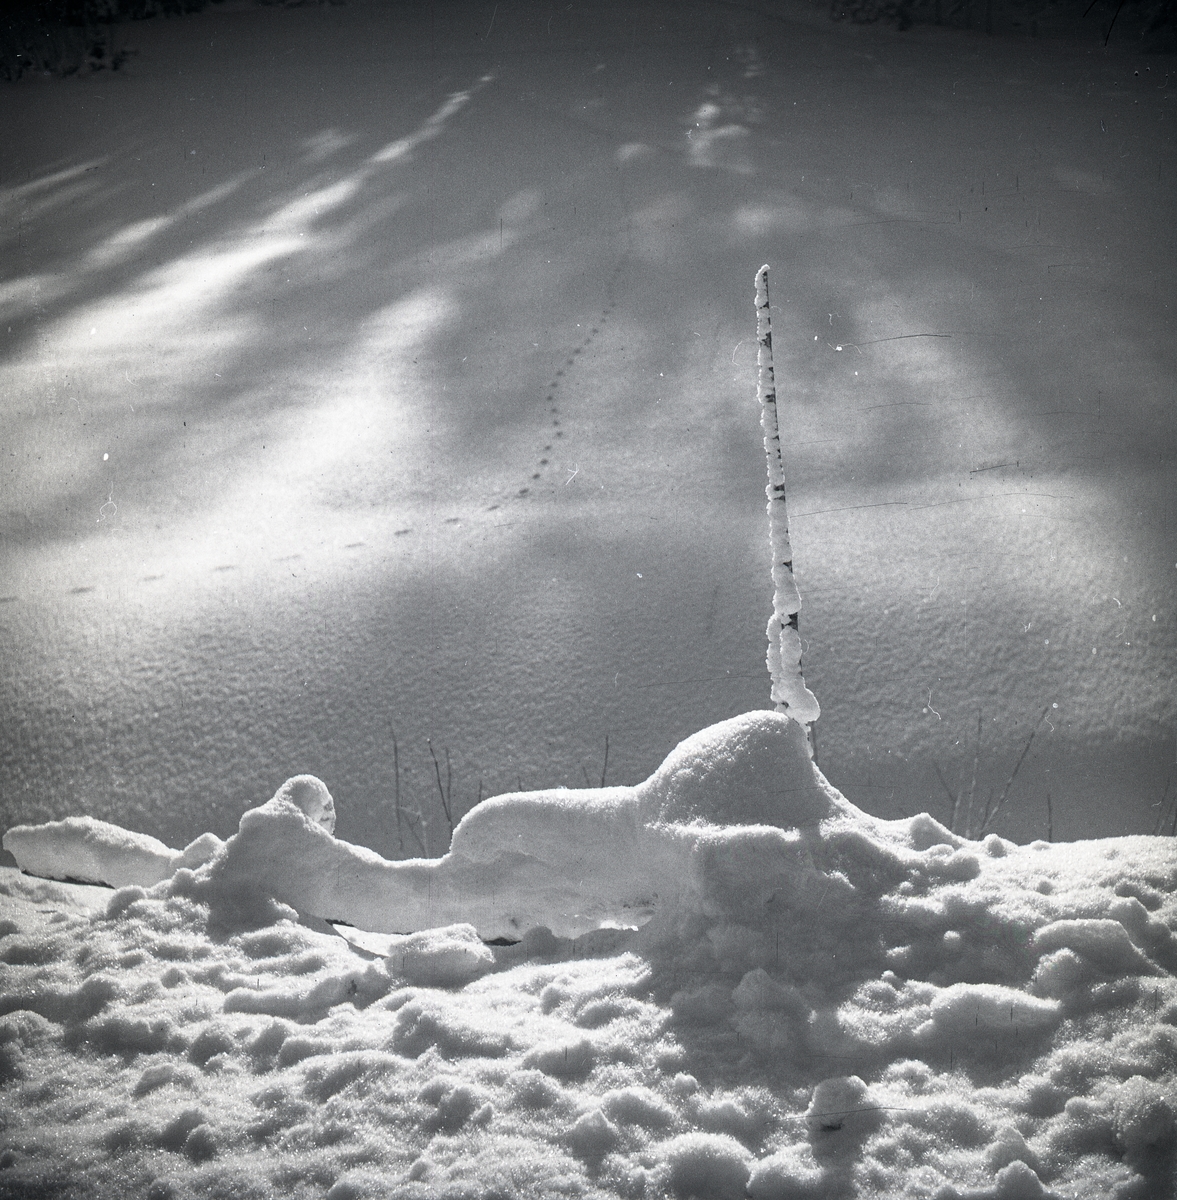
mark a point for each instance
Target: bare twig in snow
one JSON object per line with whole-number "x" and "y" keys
{"x": 973, "y": 784}
{"x": 443, "y": 792}
{"x": 396, "y": 795}
{"x": 405, "y": 815}
{"x": 953, "y": 799}
{"x": 991, "y": 816}
{"x": 1164, "y": 811}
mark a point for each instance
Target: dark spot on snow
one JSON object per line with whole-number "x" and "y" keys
{"x": 8, "y": 599}
{"x": 453, "y": 520}
{"x": 150, "y": 578}
{"x": 524, "y": 491}
{"x": 492, "y": 508}
{"x": 536, "y": 475}
{"x": 286, "y": 558}
{"x": 543, "y": 462}
{"x": 402, "y": 532}
{"x": 354, "y": 545}
{"x": 81, "y": 591}
{"x": 226, "y": 567}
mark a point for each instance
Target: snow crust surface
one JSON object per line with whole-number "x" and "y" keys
{"x": 823, "y": 1005}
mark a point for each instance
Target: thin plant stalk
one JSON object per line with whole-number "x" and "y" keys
{"x": 396, "y": 795}
{"x": 973, "y": 783}
{"x": 444, "y": 792}
{"x": 992, "y": 815}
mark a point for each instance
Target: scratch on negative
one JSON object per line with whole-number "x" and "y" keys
{"x": 994, "y": 496}
{"x": 897, "y": 338}
{"x": 850, "y": 508}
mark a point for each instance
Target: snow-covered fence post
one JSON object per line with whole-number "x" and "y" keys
{"x": 789, "y": 693}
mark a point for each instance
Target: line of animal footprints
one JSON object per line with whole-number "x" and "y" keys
{"x": 559, "y": 376}
{"x": 553, "y": 409}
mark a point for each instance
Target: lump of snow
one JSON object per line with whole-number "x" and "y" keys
{"x": 789, "y": 1174}
{"x": 90, "y": 851}
{"x": 447, "y": 957}
{"x": 1009, "y": 1146}
{"x": 592, "y": 1136}
{"x": 1143, "y": 1116}
{"x": 572, "y": 861}
{"x": 925, "y": 831}
{"x": 751, "y": 770}
{"x": 841, "y": 1103}
{"x": 707, "y": 1164}
{"x": 198, "y": 852}
{"x": 428, "y": 1023}
{"x": 637, "y": 1106}
{"x": 967, "y": 1009}
{"x": 456, "y": 1104}
{"x": 1018, "y": 1182}
{"x": 311, "y": 795}
{"x": 563, "y": 1060}
{"x": 1104, "y": 943}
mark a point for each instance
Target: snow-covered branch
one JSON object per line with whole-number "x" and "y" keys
{"x": 789, "y": 692}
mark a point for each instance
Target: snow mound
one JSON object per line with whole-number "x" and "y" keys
{"x": 754, "y": 769}
{"x": 806, "y": 1003}
{"x": 92, "y": 851}
{"x": 310, "y": 794}
{"x": 570, "y": 861}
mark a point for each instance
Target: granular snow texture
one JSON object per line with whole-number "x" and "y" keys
{"x": 849, "y": 1008}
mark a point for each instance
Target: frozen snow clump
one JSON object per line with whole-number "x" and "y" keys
{"x": 311, "y": 795}
{"x": 570, "y": 861}
{"x": 93, "y": 851}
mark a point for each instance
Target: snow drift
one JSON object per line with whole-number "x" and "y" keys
{"x": 804, "y": 1001}
{"x": 567, "y": 860}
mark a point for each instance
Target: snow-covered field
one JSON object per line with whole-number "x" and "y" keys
{"x": 378, "y": 403}
{"x": 376, "y": 369}
{"x": 816, "y": 1005}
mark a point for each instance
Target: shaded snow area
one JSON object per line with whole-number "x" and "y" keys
{"x": 380, "y": 376}
{"x": 771, "y": 994}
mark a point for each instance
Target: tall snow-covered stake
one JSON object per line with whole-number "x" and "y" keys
{"x": 789, "y": 693}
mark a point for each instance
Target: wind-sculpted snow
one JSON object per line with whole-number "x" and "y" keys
{"x": 92, "y": 851}
{"x": 806, "y": 1002}
{"x": 570, "y": 861}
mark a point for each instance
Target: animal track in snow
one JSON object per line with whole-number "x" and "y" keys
{"x": 559, "y": 378}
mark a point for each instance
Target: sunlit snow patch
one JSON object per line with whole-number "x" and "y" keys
{"x": 570, "y": 861}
